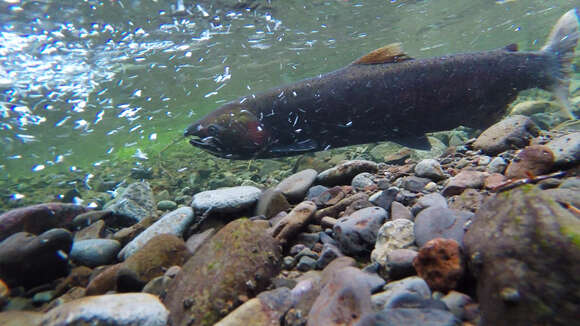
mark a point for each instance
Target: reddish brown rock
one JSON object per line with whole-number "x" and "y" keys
{"x": 292, "y": 223}
{"x": 105, "y": 281}
{"x": 158, "y": 254}
{"x": 79, "y": 276}
{"x": 93, "y": 231}
{"x": 440, "y": 263}
{"x": 465, "y": 179}
{"x": 494, "y": 180}
{"x": 236, "y": 263}
{"x": 38, "y": 218}
{"x": 534, "y": 160}
{"x": 512, "y": 132}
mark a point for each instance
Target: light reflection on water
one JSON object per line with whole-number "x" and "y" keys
{"x": 81, "y": 80}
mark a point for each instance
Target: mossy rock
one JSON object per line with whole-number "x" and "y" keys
{"x": 237, "y": 262}
{"x": 525, "y": 253}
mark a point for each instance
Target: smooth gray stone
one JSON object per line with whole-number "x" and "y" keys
{"x": 226, "y": 200}
{"x": 95, "y": 252}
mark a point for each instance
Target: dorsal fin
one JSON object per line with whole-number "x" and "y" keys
{"x": 391, "y": 53}
{"x": 511, "y": 47}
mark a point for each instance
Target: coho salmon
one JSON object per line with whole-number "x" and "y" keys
{"x": 387, "y": 95}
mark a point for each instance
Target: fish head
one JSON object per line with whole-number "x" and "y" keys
{"x": 233, "y": 131}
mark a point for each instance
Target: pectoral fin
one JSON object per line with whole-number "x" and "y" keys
{"x": 416, "y": 142}
{"x": 304, "y": 146}
{"x": 391, "y": 53}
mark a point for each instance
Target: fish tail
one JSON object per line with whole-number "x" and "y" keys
{"x": 562, "y": 43}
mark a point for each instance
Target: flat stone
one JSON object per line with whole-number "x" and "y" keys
{"x": 38, "y": 218}
{"x": 395, "y": 234}
{"x": 23, "y": 255}
{"x": 134, "y": 204}
{"x": 429, "y": 168}
{"x": 510, "y": 133}
{"x": 343, "y": 173}
{"x": 95, "y": 252}
{"x": 440, "y": 263}
{"x": 566, "y": 149}
{"x": 226, "y": 200}
{"x": 357, "y": 233}
{"x": 315, "y": 191}
{"x": 175, "y": 223}
{"x": 295, "y": 186}
{"x": 465, "y": 179}
{"x": 439, "y": 222}
{"x": 413, "y": 183}
{"x": 112, "y": 309}
{"x": 166, "y": 205}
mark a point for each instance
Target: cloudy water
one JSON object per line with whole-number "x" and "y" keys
{"x": 89, "y": 83}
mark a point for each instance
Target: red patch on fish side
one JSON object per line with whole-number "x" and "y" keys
{"x": 256, "y": 133}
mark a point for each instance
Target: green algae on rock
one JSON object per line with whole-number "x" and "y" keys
{"x": 525, "y": 259}
{"x": 236, "y": 262}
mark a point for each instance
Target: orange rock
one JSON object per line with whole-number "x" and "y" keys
{"x": 440, "y": 263}
{"x": 535, "y": 160}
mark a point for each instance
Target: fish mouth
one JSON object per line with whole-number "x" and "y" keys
{"x": 213, "y": 146}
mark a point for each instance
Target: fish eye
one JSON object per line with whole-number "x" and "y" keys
{"x": 212, "y": 130}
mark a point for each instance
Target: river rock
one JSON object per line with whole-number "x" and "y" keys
{"x": 237, "y": 261}
{"x": 134, "y": 204}
{"x": 430, "y": 200}
{"x": 412, "y": 317}
{"x": 398, "y": 264}
{"x": 357, "y": 232}
{"x": 535, "y": 160}
{"x": 429, "y": 168}
{"x": 384, "y": 198}
{"x": 339, "y": 207}
{"x": 400, "y": 211}
{"x": 95, "y": 252}
{"x": 456, "y": 302}
{"x": 20, "y": 318}
{"x": 175, "y": 223}
{"x": 469, "y": 200}
{"x": 465, "y": 179}
{"x": 97, "y": 230}
{"x": 23, "y": 255}
{"x": 511, "y": 133}
{"x": 538, "y": 281}
{"x": 497, "y": 165}
{"x": 413, "y": 183}
{"x": 440, "y": 263}
{"x": 78, "y": 277}
{"x": 343, "y": 173}
{"x": 195, "y": 241}
{"x": 104, "y": 281}
{"x": 395, "y": 234}
{"x": 362, "y": 181}
{"x": 292, "y": 223}
{"x": 267, "y": 308}
{"x": 344, "y": 299}
{"x": 566, "y": 149}
{"x": 126, "y": 309}
{"x": 295, "y": 186}
{"x": 226, "y": 200}
{"x": 150, "y": 261}
{"x": 38, "y": 218}
{"x": 393, "y": 290}
{"x": 439, "y": 222}
{"x": 166, "y": 205}
{"x": 271, "y": 203}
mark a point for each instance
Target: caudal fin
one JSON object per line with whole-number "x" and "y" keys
{"x": 562, "y": 42}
